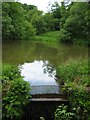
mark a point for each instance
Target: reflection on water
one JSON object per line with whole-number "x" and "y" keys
{"x": 43, "y": 89}
{"x": 37, "y": 61}
{"x": 41, "y": 77}
{"x": 38, "y": 73}
{"x": 21, "y": 52}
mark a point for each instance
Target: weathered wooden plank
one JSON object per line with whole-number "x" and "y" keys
{"x": 47, "y": 99}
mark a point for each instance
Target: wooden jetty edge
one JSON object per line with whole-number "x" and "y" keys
{"x": 49, "y": 98}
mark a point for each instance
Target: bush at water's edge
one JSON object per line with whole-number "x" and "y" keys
{"x": 15, "y": 93}
{"x": 75, "y": 79}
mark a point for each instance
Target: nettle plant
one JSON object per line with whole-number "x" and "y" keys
{"x": 15, "y": 93}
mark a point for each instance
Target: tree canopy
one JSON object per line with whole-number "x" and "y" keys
{"x": 75, "y": 22}
{"x": 24, "y": 22}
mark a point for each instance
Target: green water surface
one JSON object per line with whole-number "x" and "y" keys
{"x": 26, "y": 52}
{"x": 38, "y": 61}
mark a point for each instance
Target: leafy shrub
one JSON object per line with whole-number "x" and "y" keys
{"x": 62, "y": 113}
{"x": 76, "y": 83}
{"x": 75, "y": 71}
{"x": 15, "y": 93}
{"x": 65, "y": 37}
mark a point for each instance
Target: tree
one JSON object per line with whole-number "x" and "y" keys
{"x": 56, "y": 10}
{"x": 77, "y": 22}
{"x": 15, "y": 25}
{"x": 7, "y": 26}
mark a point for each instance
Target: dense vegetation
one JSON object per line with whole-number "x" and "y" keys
{"x": 74, "y": 78}
{"x": 24, "y": 22}
{"x": 64, "y": 23}
{"x": 47, "y": 36}
{"x": 75, "y": 23}
{"x": 15, "y": 93}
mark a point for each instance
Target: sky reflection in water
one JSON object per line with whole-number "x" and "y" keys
{"x": 38, "y": 73}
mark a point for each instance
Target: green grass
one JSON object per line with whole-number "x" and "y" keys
{"x": 48, "y": 36}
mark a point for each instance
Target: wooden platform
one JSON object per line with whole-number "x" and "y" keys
{"x": 48, "y": 99}
{"x": 44, "y": 105}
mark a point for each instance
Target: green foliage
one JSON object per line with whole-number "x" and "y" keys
{"x": 15, "y": 92}
{"x": 74, "y": 71}
{"x": 75, "y": 81}
{"x": 28, "y": 7}
{"x": 71, "y": 21}
{"x": 23, "y": 22}
{"x": 64, "y": 36}
{"x": 62, "y": 113}
{"x": 48, "y": 36}
{"x": 64, "y": 14}
{"x": 56, "y": 12}
{"x": 42, "y": 118}
{"x": 15, "y": 25}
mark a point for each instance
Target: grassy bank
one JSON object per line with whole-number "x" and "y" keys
{"x": 48, "y": 36}
{"x": 74, "y": 78}
{"x": 56, "y": 36}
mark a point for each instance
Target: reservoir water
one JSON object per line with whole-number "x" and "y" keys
{"x": 38, "y": 61}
